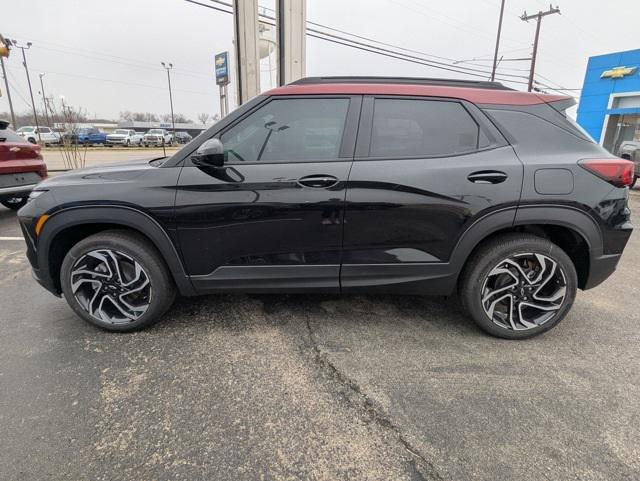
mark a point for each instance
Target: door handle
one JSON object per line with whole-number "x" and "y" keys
{"x": 318, "y": 181}
{"x": 487, "y": 177}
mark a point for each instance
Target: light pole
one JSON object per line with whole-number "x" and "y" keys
{"x": 44, "y": 99}
{"x": 168, "y": 67}
{"x": 26, "y": 69}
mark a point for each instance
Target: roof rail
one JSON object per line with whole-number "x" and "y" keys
{"x": 403, "y": 80}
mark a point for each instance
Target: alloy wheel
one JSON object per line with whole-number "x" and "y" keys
{"x": 524, "y": 291}
{"x": 111, "y": 286}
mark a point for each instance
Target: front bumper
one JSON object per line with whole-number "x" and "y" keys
{"x": 117, "y": 141}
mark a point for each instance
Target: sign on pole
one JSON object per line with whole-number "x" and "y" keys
{"x": 222, "y": 68}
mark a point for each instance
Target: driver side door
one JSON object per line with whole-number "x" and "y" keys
{"x": 271, "y": 218}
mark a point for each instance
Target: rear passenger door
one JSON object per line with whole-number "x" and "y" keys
{"x": 424, "y": 170}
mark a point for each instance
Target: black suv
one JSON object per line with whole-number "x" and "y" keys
{"x": 347, "y": 185}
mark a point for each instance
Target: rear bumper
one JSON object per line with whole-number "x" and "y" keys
{"x": 600, "y": 269}
{"x": 16, "y": 190}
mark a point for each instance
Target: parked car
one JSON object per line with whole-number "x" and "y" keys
{"x": 41, "y": 135}
{"x": 125, "y": 137}
{"x": 352, "y": 185}
{"x": 155, "y": 137}
{"x": 183, "y": 137}
{"x": 630, "y": 150}
{"x": 21, "y": 167}
{"x": 90, "y": 136}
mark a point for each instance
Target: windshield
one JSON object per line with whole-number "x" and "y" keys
{"x": 26, "y": 129}
{"x": 156, "y": 131}
{"x": 121, "y": 132}
{"x": 83, "y": 131}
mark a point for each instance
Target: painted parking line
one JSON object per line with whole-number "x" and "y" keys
{"x": 11, "y": 238}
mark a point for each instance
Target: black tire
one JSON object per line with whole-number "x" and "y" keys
{"x": 32, "y": 140}
{"x": 136, "y": 248}
{"x": 489, "y": 258}
{"x": 14, "y": 203}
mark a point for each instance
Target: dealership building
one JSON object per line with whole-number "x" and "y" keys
{"x": 609, "y": 106}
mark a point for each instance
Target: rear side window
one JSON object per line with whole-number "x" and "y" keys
{"x": 421, "y": 128}
{"x": 291, "y": 130}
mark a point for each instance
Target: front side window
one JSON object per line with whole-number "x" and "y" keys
{"x": 289, "y": 130}
{"x": 421, "y": 128}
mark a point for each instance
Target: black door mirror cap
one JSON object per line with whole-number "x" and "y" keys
{"x": 209, "y": 154}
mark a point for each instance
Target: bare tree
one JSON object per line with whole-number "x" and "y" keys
{"x": 67, "y": 119}
{"x": 182, "y": 119}
{"x": 203, "y": 118}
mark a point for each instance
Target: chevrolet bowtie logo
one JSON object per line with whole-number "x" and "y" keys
{"x": 618, "y": 72}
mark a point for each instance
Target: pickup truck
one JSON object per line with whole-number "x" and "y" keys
{"x": 90, "y": 136}
{"x": 124, "y": 137}
{"x": 157, "y": 137}
{"x": 43, "y": 135}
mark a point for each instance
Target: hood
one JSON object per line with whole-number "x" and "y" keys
{"x": 118, "y": 172}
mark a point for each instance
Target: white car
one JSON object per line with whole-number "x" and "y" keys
{"x": 124, "y": 137}
{"x": 42, "y": 135}
{"x": 157, "y": 137}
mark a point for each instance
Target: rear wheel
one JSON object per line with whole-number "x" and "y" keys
{"x": 518, "y": 286}
{"x": 117, "y": 281}
{"x": 14, "y": 203}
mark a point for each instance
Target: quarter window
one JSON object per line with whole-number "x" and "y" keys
{"x": 417, "y": 128}
{"x": 289, "y": 130}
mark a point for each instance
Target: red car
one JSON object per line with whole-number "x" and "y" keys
{"x": 21, "y": 168}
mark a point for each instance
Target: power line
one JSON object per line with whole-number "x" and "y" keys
{"x": 378, "y": 50}
{"x": 124, "y": 82}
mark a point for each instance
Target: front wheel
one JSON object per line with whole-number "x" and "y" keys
{"x": 14, "y": 203}
{"x": 518, "y": 286}
{"x": 116, "y": 280}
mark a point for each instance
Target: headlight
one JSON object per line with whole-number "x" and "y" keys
{"x": 37, "y": 193}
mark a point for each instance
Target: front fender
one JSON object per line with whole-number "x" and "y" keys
{"x": 117, "y": 215}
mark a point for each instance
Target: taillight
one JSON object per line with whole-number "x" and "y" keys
{"x": 618, "y": 172}
{"x": 42, "y": 171}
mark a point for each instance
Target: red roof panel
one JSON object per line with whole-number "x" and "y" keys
{"x": 475, "y": 95}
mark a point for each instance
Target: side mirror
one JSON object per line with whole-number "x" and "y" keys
{"x": 209, "y": 154}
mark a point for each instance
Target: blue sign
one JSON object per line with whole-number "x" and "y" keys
{"x": 222, "y": 68}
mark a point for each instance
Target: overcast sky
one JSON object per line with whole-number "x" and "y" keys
{"x": 104, "y": 56}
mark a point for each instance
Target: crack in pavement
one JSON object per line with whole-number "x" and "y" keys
{"x": 424, "y": 469}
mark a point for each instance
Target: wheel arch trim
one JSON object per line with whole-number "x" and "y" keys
{"x": 124, "y": 216}
{"x": 560, "y": 215}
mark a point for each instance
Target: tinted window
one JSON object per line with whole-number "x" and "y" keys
{"x": 414, "y": 128}
{"x": 289, "y": 130}
{"x": 45, "y": 130}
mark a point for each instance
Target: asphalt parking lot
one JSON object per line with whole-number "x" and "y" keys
{"x": 317, "y": 387}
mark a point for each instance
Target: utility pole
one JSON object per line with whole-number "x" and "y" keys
{"x": 26, "y": 69}
{"x": 168, "y": 67}
{"x": 44, "y": 100}
{"x": 495, "y": 54}
{"x": 5, "y": 48}
{"x": 6, "y": 85}
{"x": 538, "y": 16}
